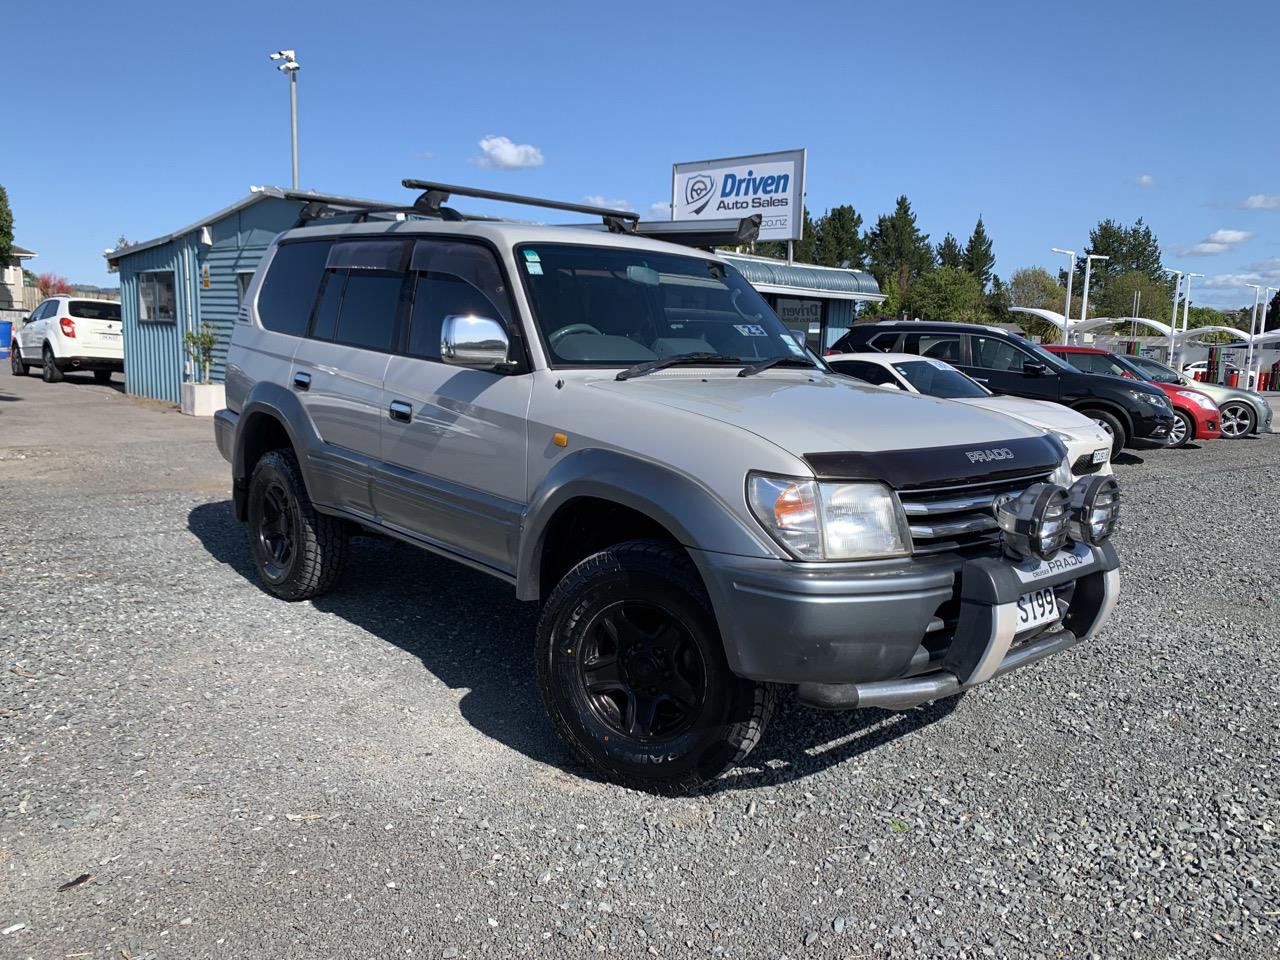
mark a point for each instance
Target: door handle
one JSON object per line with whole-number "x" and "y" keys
{"x": 302, "y": 381}
{"x": 401, "y": 411}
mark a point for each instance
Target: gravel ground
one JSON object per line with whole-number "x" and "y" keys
{"x": 371, "y": 774}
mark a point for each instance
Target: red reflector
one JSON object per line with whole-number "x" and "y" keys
{"x": 68, "y": 327}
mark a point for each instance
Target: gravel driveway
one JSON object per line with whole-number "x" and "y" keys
{"x": 372, "y": 776}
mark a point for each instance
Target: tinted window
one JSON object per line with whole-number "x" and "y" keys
{"x": 370, "y": 304}
{"x": 289, "y": 289}
{"x": 94, "y": 310}
{"x": 1096, "y": 363}
{"x": 870, "y": 372}
{"x": 326, "y": 313}
{"x": 884, "y": 342}
{"x": 440, "y": 295}
{"x": 994, "y": 353}
{"x": 937, "y": 379}
{"x": 936, "y": 346}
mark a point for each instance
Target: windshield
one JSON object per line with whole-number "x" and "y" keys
{"x": 938, "y": 379}
{"x": 1154, "y": 369}
{"x": 93, "y": 310}
{"x": 611, "y": 306}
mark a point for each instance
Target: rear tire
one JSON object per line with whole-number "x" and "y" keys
{"x": 633, "y": 674}
{"x": 16, "y": 365}
{"x": 1112, "y": 425}
{"x": 49, "y": 371}
{"x": 1237, "y": 420}
{"x": 1184, "y": 429}
{"x": 299, "y": 552}
{"x": 102, "y": 376}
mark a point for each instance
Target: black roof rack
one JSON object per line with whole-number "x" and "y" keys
{"x": 431, "y": 203}
{"x": 706, "y": 234}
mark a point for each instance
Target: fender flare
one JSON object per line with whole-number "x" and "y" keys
{"x": 691, "y": 512}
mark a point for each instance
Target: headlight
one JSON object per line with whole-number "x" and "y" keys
{"x": 1095, "y": 507}
{"x": 830, "y": 521}
{"x": 1035, "y": 522}
{"x": 1156, "y": 400}
{"x": 1062, "y": 476}
{"x": 1199, "y": 399}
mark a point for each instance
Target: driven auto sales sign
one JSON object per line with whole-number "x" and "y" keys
{"x": 770, "y": 184}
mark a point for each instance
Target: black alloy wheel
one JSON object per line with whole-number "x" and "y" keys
{"x": 49, "y": 371}
{"x": 277, "y": 531}
{"x": 16, "y": 366}
{"x": 641, "y": 671}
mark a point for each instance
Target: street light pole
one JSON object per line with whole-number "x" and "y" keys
{"x": 1088, "y": 269}
{"x": 291, "y": 66}
{"x": 1066, "y": 311}
{"x": 1186, "y": 308}
{"x": 1173, "y": 317}
{"x": 1253, "y": 326}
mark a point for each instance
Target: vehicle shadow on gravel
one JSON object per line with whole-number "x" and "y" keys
{"x": 471, "y": 632}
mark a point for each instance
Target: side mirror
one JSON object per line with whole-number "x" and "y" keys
{"x": 1033, "y": 368}
{"x": 479, "y": 343}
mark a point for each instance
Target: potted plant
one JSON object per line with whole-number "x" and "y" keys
{"x": 200, "y": 398}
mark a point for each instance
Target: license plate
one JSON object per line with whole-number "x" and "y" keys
{"x": 1100, "y": 456}
{"x": 1037, "y": 608}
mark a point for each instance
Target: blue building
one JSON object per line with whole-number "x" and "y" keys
{"x": 199, "y": 275}
{"x": 195, "y": 275}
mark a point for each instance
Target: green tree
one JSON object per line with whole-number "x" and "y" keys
{"x": 6, "y": 229}
{"x": 1128, "y": 249}
{"x": 978, "y": 258}
{"x": 949, "y": 294}
{"x": 998, "y": 301}
{"x": 949, "y": 253}
{"x": 896, "y": 248}
{"x": 803, "y": 250}
{"x": 839, "y": 238}
{"x": 1034, "y": 287}
{"x": 1116, "y": 298}
{"x": 1271, "y": 320}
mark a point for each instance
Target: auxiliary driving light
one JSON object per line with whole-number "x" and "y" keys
{"x": 1036, "y": 521}
{"x": 1095, "y": 507}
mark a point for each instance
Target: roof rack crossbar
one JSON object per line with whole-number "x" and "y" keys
{"x": 435, "y": 194}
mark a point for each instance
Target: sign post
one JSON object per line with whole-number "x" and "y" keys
{"x": 770, "y": 184}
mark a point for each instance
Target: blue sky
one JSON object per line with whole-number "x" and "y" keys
{"x": 1043, "y": 118}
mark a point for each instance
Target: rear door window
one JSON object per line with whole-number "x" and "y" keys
{"x": 935, "y": 346}
{"x": 995, "y": 353}
{"x": 370, "y": 309}
{"x": 290, "y": 286}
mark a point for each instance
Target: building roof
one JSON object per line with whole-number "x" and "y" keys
{"x": 22, "y": 253}
{"x": 805, "y": 279}
{"x": 255, "y": 195}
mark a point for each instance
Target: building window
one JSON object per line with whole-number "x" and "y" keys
{"x": 156, "y": 300}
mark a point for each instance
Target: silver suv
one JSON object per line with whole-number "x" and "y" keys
{"x": 623, "y": 429}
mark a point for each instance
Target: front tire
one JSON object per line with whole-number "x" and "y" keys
{"x": 1237, "y": 420}
{"x": 49, "y": 371}
{"x": 16, "y": 365}
{"x": 1184, "y": 429}
{"x": 299, "y": 552}
{"x": 1113, "y": 426}
{"x": 633, "y": 674}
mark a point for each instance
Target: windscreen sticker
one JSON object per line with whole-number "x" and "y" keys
{"x": 535, "y": 269}
{"x": 940, "y": 364}
{"x": 794, "y": 347}
{"x": 532, "y": 256}
{"x": 750, "y": 329}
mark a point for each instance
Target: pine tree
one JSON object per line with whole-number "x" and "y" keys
{"x": 6, "y": 229}
{"x": 949, "y": 253}
{"x": 839, "y": 240}
{"x": 898, "y": 251}
{"x": 978, "y": 258}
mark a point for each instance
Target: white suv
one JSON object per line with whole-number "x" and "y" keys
{"x": 69, "y": 333}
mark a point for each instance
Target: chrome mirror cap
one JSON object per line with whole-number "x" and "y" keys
{"x": 470, "y": 341}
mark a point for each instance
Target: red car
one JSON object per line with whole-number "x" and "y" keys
{"x": 1196, "y": 416}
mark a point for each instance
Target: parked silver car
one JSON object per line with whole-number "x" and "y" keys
{"x": 1243, "y": 411}
{"x": 623, "y": 430}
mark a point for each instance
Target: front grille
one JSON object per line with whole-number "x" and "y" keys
{"x": 1084, "y": 464}
{"x": 958, "y": 517}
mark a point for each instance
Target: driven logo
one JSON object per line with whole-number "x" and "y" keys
{"x": 699, "y": 189}
{"x": 989, "y": 456}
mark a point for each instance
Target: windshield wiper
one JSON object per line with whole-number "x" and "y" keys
{"x": 640, "y": 369}
{"x": 763, "y": 365}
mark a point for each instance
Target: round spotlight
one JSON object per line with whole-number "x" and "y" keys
{"x": 1035, "y": 523}
{"x": 1095, "y": 507}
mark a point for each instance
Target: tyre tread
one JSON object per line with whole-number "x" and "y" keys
{"x": 323, "y": 544}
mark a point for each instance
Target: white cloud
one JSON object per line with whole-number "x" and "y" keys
{"x": 501, "y": 154}
{"x": 1262, "y": 201}
{"x": 1143, "y": 180}
{"x": 660, "y": 210}
{"x": 1229, "y": 281}
{"x": 599, "y": 200}
{"x": 1220, "y": 241}
{"x": 1229, "y": 236}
